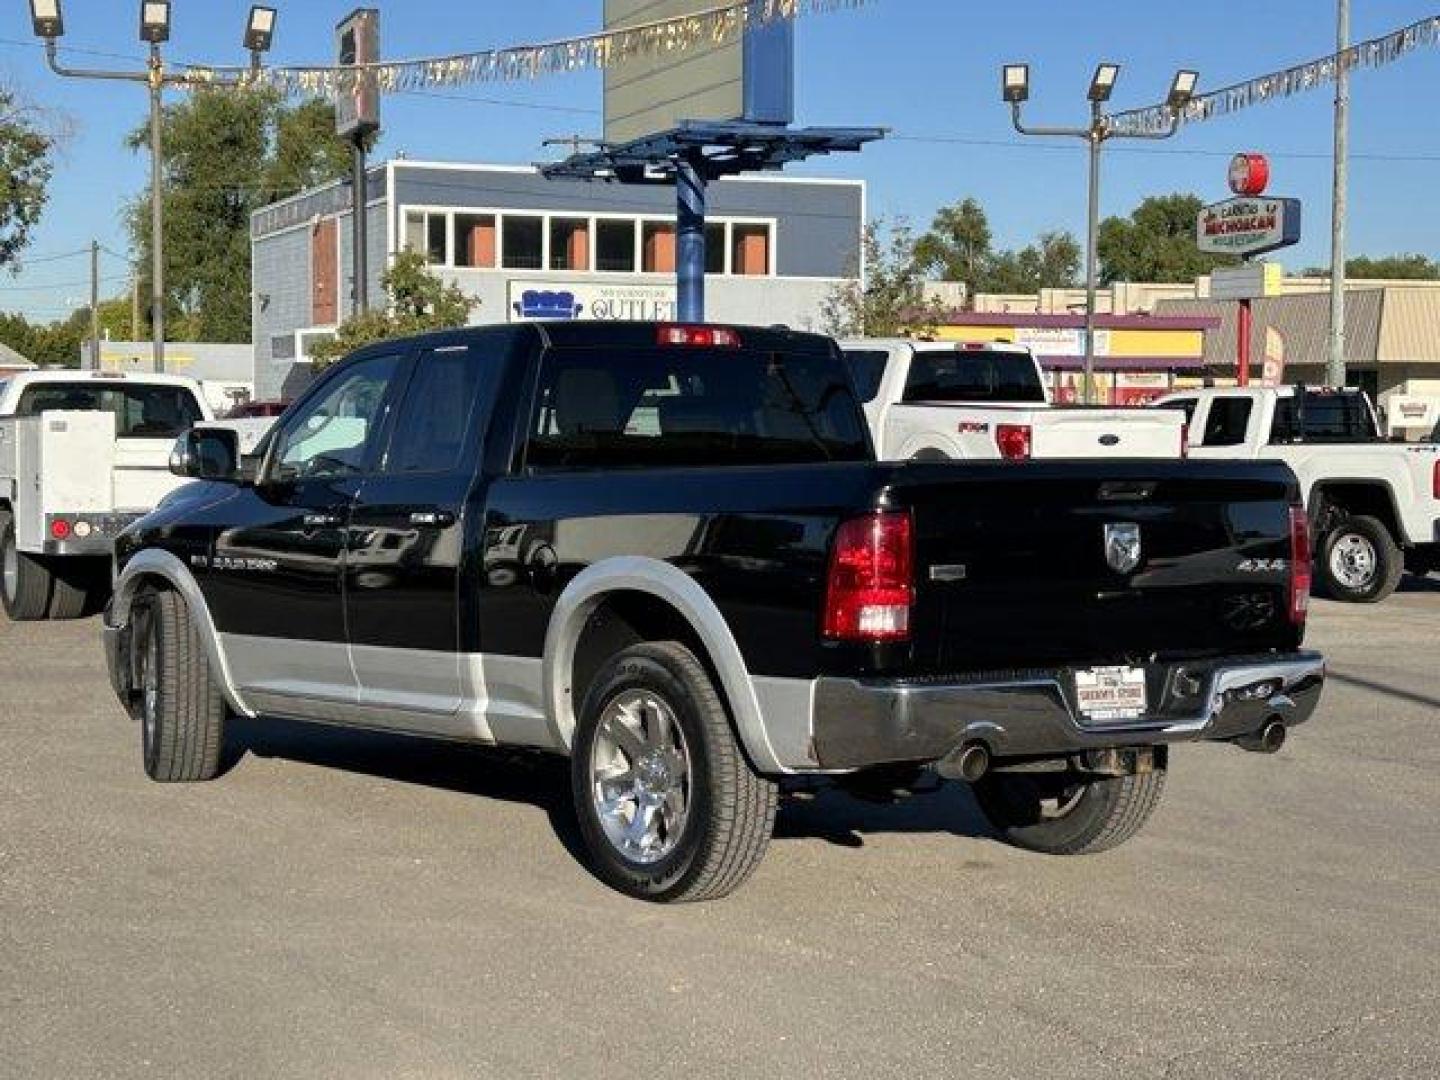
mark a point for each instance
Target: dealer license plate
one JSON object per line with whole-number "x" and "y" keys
{"x": 1110, "y": 693}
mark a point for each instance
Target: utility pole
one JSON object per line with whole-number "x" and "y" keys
{"x": 1335, "y": 368}
{"x": 157, "y": 210}
{"x": 95, "y": 305}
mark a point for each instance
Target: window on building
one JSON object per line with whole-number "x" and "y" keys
{"x": 523, "y": 242}
{"x": 657, "y": 247}
{"x": 569, "y": 244}
{"x": 425, "y": 232}
{"x": 475, "y": 241}
{"x": 715, "y": 248}
{"x": 750, "y": 249}
{"x": 615, "y": 245}
{"x": 1227, "y": 420}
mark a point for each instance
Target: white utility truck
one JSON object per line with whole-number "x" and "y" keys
{"x": 1374, "y": 505}
{"x": 82, "y": 455}
{"x": 937, "y": 400}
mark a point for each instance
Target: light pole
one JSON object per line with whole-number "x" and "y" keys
{"x": 1015, "y": 89}
{"x": 1335, "y": 364}
{"x": 49, "y": 24}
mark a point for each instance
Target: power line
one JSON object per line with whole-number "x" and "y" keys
{"x": 1016, "y": 144}
{"x": 61, "y": 284}
{"x": 500, "y": 102}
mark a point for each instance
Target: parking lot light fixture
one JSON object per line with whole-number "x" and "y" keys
{"x": 1015, "y": 83}
{"x": 1182, "y": 89}
{"x": 155, "y": 21}
{"x": 45, "y": 16}
{"x": 1103, "y": 83}
{"x": 260, "y": 29}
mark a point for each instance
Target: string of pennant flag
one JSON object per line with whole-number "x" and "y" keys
{"x": 719, "y": 25}
{"x": 1377, "y": 52}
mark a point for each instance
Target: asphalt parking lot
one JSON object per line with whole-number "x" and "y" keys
{"x": 364, "y": 906}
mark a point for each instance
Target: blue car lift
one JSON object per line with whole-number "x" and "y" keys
{"x": 690, "y": 156}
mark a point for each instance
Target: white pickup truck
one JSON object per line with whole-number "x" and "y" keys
{"x": 82, "y": 455}
{"x": 1374, "y": 505}
{"x": 935, "y": 400}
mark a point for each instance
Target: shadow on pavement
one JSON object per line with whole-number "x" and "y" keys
{"x": 1381, "y": 688}
{"x": 543, "y": 781}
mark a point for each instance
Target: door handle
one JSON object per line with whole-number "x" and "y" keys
{"x": 322, "y": 521}
{"x": 441, "y": 519}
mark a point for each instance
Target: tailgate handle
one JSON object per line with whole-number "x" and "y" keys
{"x": 1126, "y": 490}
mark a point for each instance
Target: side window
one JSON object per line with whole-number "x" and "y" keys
{"x": 867, "y": 368}
{"x": 1228, "y": 419}
{"x": 439, "y": 411}
{"x": 328, "y": 436}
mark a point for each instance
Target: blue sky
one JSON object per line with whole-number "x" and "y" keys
{"x": 928, "y": 69}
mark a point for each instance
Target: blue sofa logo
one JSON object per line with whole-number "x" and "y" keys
{"x": 545, "y": 304}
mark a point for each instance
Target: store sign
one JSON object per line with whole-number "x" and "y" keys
{"x": 604, "y": 302}
{"x": 1248, "y": 281}
{"x": 1045, "y": 341}
{"x": 1248, "y": 226}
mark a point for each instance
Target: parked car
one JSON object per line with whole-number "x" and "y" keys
{"x": 985, "y": 401}
{"x": 669, "y": 553}
{"x": 1374, "y": 505}
{"x": 82, "y": 455}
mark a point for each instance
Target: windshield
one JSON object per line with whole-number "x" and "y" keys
{"x": 693, "y": 406}
{"x": 141, "y": 412}
{"x": 973, "y": 375}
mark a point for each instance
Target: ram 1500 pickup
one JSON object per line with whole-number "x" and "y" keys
{"x": 668, "y": 552}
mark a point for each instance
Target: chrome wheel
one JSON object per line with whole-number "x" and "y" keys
{"x": 11, "y": 559}
{"x": 640, "y": 776}
{"x": 1353, "y": 561}
{"x": 150, "y": 680}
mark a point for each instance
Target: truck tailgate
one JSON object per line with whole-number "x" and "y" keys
{"x": 1108, "y": 433}
{"x": 1016, "y": 565}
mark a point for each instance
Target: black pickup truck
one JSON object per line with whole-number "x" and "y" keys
{"x": 667, "y": 551}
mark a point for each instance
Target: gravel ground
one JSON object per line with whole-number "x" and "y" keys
{"x": 367, "y": 906}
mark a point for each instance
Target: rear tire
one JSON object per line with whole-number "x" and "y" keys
{"x": 1359, "y": 561}
{"x": 25, "y": 582}
{"x": 182, "y": 712}
{"x": 1061, "y": 814}
{"x": 669, "y": 808}
{"x": 70, "y": 594}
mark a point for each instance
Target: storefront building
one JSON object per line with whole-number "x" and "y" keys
{"x": 530, "y": 248}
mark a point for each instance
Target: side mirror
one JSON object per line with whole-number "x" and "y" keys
{"x": 207, "y": 454}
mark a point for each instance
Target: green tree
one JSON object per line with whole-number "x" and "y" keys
{"x": 959, "y": 247}
{"x": 417, "y": 301}
{"x": 891, "y": 298}
{"x": 227, "y": 152}
{"x": 26, "y": 166}
{"x": 1156, "y": 243}
{"x": 55, "y": 342}
{"x": 1398, "y": 267}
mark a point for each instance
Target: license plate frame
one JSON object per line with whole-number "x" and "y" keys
{"x": 1111, "y": 695}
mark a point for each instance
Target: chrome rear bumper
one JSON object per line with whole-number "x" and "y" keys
{"x": 869, "y": 722}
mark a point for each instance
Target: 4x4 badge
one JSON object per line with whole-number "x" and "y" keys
{"x": 1122, "y": 546}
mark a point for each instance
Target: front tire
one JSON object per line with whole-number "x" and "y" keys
{"x": 25, "y": 582}
{"x": 669, "y": 808}
{"x": 1065, "y": 814}
{"x": 1359, "y": 562}
{"x": 182, "y": 712}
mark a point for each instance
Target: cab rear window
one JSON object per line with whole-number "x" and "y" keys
{"x": 973, "y": 375}
{"x": 1323, "y": 417}
{"x": 604, "y": 407}
{"x": 141, "y": 412}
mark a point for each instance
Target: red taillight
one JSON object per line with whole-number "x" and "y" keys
{"x": 869, "y": 591}
{"x": 1184, "y": 440}
{"x": 1300, "y": 565}
{"x": 698, "y": 336}
{"x": 1013, "y": 441}
{"x": 60, "y": 529}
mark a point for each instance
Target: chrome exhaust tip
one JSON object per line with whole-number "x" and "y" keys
{"x": 969, "y": 763}
{"x": 1267, "y": 740}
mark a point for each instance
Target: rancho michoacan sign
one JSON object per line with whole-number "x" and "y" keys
{"x": 1248, "y": 225}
